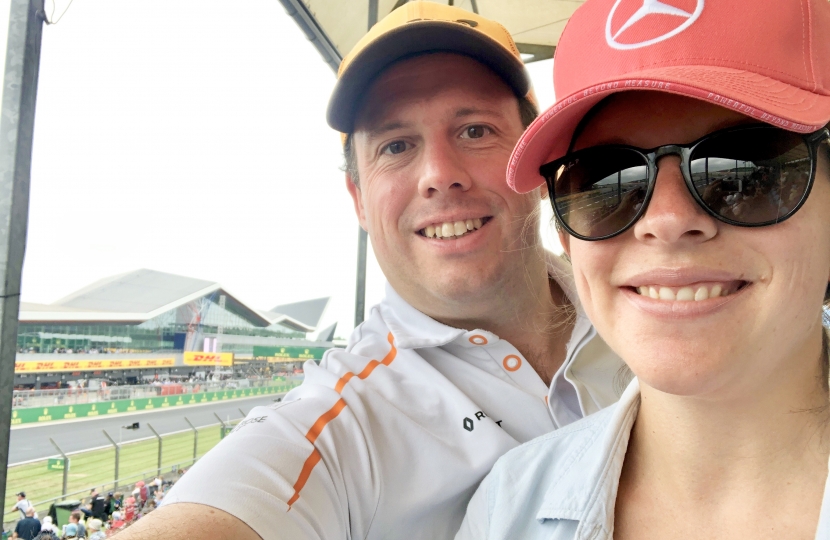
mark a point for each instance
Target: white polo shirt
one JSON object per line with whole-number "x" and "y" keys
{"x": 390, "y": 437}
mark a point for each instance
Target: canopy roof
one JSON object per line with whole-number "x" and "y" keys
{"x": 141, "y": 295}
{"x": 336, "y": 25}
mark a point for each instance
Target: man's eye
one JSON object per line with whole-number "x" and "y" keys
{"x": 395, "y": 148}
{"x": 474, "y": 132}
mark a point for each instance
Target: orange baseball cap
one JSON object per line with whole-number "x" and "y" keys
{"x": 768, "y": 59}
{"x": 417, "y": 28}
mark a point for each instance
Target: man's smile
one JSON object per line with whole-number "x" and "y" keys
{"x": 454, "y": 229}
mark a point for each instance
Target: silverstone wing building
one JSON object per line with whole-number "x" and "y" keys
{"x": 147, "y": 323}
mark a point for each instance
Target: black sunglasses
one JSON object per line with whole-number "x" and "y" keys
{"x": 749, "y": 176}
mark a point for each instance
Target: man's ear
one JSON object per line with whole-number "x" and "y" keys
{"x": 354, "y": 191}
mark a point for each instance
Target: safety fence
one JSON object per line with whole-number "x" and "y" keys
{"x": 86, "y": 410}
{"x": 113, "y": 468}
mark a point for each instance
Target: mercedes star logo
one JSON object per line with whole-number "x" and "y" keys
{"x": 649, "y": 7}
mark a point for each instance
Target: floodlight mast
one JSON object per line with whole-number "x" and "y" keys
{"x": 16, "y": 130}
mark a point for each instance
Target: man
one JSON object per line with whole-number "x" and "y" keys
{"x": 98, "y": 509}
{"x": 28, "y": 527}
{"x": 75, "y": 519}
{"x": 476, "y": 347}
{"x": 22, "y": 504}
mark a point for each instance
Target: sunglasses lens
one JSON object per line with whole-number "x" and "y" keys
{"x": 599, "y": 190}
{"x": 753, "y": 176}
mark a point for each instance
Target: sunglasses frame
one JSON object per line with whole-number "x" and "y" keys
{"x": 684, "y": 151}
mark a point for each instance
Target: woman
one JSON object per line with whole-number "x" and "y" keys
{"x": 689, "y": 169}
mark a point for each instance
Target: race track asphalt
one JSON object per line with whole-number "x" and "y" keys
{"x": 30, "y": 442}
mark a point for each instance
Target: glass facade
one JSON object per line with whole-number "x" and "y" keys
{"x": 175, "y": 330}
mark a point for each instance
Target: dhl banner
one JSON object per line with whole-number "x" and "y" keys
{"x": 207, "y": 359}
{"x": 53, "y": 366}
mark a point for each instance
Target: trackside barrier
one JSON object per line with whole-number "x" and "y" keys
{"x": 68, "y": 412}
{"x": 132, "y": 461}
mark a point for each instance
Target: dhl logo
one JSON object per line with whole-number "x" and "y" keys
{"x": 203, "y": 359}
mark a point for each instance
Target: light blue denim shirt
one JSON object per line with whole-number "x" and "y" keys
{"x": 563, "y": 486}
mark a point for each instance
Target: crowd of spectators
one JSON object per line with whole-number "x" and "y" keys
{"x": 96, "y": 518}
{"x": 65, "y": 350}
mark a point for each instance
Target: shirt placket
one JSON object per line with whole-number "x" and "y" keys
{"x": 510, "y": 360}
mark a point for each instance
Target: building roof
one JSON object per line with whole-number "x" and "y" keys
{"x": 140, "y": 291}
{"x": 140, "y": 295}
{"x": 308, "y": 312}
{"x": 327, "y": 334}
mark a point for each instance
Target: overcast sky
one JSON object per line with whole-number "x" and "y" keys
{"x": 190, "y": 137}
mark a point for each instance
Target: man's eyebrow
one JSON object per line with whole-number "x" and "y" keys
{"x": 471, "y": 111}
{"x": 386, "y": 128}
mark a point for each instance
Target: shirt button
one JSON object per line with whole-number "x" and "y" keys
{"x": 478, "y": 339}
{"x": 512, "y": 362}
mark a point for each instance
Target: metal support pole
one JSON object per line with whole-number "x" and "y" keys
{"x": 373, "y": 13}
{"x": 243, "y": 413}
{"x": 220, "y": 420}
{"x": 360, "y": 288}
{"x": 117, "y": 458}
{"x": 362, "y": 237}
{"x": 195, "y": 438}
{"x": 159, "y": 439}
{"x": 65, "y": 466}
{"x": 16, "y": 133}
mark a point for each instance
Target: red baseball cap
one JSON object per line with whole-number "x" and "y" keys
{"x": 768, "y": 59}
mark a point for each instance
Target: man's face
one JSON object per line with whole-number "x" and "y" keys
{"x": 432, "y": 142}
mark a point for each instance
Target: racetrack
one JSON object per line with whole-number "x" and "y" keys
{"x": 31, "y": 442}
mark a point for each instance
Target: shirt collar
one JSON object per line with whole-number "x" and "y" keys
{"x": 413, "y": 329}
{"x": 587, "y": 490}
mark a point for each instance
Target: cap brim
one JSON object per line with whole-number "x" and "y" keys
{"x": 757, "y": 96}
{"x": 413, "y": 39}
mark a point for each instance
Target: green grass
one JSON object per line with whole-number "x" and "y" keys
{"x": 97, "y": 468}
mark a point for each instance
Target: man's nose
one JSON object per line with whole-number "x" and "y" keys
{"x": 442, "y": 169}
{"x": 673, "y": 216}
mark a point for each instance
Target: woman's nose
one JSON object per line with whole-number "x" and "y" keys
{"x": 673, "y": 216}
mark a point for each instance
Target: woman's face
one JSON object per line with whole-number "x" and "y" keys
{"x": 774, "y": 278}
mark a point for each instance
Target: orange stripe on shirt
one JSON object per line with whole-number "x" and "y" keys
{"x": 331, "y": 414}
{"x": 305, "y": 472}
{"x": 321, "y": 422}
